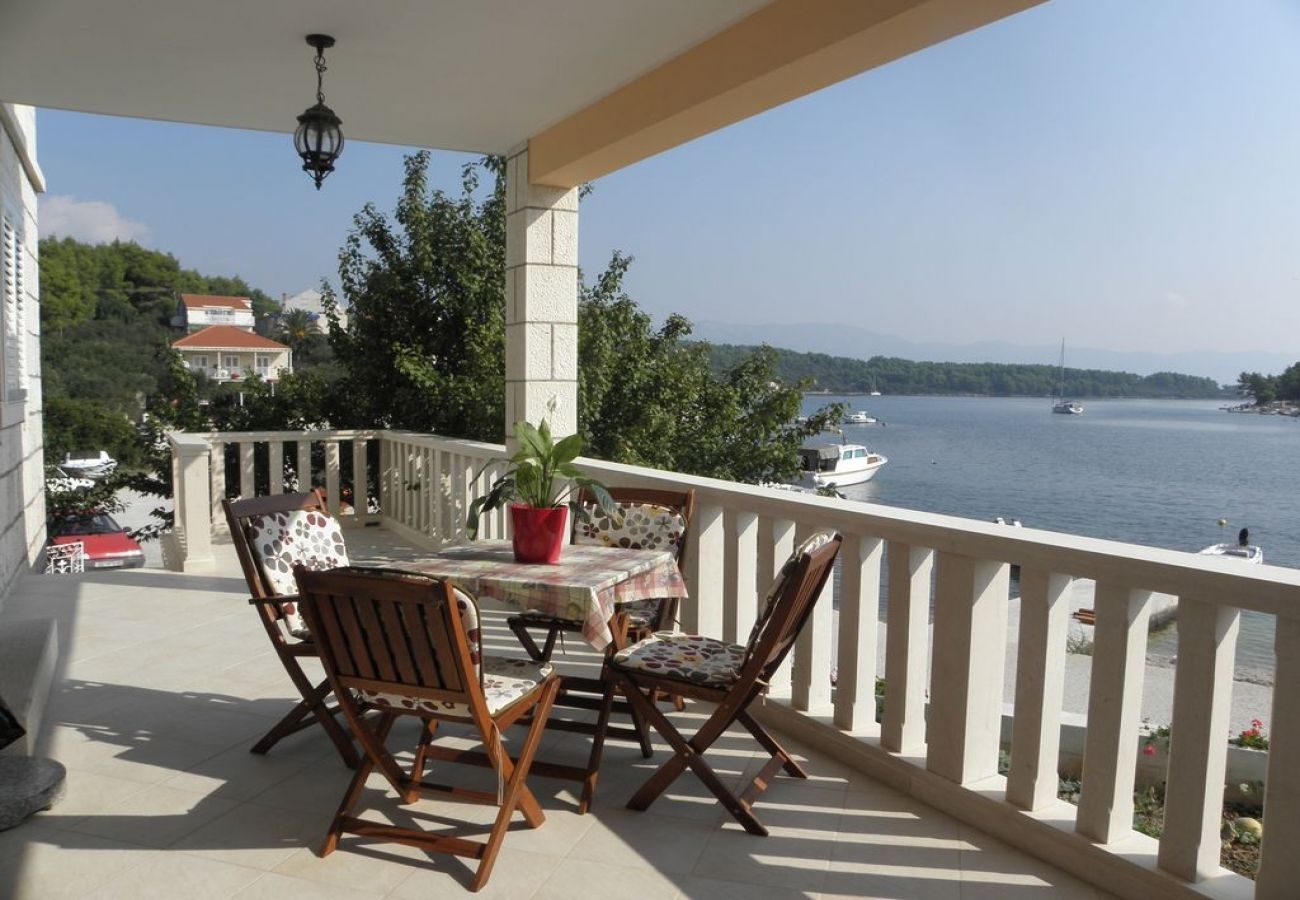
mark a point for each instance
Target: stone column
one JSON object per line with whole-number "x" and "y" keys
{"x": 541, "y": 301}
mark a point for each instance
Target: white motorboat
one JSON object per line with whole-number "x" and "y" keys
{"x": 860, "y": 417}
{"x": 1063, "y": 406}
{"x": 1243, "y": 550}
{"x": 88, "y": 464}
{"x": 838, "y": 465}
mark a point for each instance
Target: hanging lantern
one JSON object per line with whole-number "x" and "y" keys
{"x": 319, "y": 137}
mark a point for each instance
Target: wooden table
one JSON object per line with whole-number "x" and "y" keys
{"x": 585, "y": 586}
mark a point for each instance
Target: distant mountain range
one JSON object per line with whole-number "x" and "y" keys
{"x": 859, "y": 343}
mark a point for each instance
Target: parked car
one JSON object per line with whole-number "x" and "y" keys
{"x": 106, "y": 543}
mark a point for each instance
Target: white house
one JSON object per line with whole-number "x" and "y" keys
{"x": 226, "y": 353}
{"x": 22, "y": 461}
{"x": 201, "y": 310}
{"x": 309, "y": 301}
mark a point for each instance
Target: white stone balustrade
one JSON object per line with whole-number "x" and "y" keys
{"x": 913, "y": 561}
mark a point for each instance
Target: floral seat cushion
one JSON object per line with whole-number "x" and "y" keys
{"x": 283, "y": 540}
{"x": 684, "y": 657}
{"x": 505, "y": 681}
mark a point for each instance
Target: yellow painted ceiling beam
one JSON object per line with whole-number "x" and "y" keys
{"x": 783, "y": 51}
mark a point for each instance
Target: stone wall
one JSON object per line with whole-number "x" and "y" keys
{"x": 22, "y": 497}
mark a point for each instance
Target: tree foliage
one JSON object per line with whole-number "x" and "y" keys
{"x": 1264, "y": 389}
{"x": 891, "y": 375}
{"x": 424, "y": 345}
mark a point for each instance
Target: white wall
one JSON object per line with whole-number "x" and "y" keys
{"x": 22, "y": 463}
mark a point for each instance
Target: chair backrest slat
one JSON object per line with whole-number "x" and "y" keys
{"x": 790, "y": 613}
{"x": 388, "y": 629}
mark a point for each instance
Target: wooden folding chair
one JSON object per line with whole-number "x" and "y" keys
{"x": 268, "y": 568}
{"x": 729, "y": 675}
{"x": 407, "y": 644}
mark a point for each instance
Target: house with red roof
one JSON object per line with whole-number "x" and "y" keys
{"x": 198, "y": 311}
{"x": 227, "y": 353}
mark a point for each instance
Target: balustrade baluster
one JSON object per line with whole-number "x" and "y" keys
{"x": 332, "y": 497}
{"x": 275, "y": 466}
{"x": 305, "y": 482}
{"x": 740, "y": 583}
{"x": 966, "y": 677}
{"x": 360, "y": 480}
{"x": 811, "y": 670}
{"x": 1279, "y": 868}
{"x": 1040, "y": 684}
{"x": 907, "y": 634}
{"x": 855, "y": 691}
{"x": 702, "y": 613}
{"x": 217, "y": 477}
{"x": 775, "y": 544}
{"x": 1198, "y": 753}
{"x": 1114, "y": 711}
{"x": 247, "y": 469}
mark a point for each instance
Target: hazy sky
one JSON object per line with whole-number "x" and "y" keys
{"x": 1124, "y": 172}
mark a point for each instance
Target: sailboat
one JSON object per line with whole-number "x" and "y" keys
{"x": 874, "y": 391}
{"x": 1059, "y": 403}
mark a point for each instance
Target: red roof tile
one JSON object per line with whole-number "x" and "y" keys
{"x": 200, "y": 301}
{"x": 226, "y": 337}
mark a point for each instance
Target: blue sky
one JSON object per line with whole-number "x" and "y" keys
{"x": 1124, "y": 172}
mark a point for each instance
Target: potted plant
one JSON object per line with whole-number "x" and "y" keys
{"x": 540, "y": 478}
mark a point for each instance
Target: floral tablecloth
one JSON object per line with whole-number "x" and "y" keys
{"x": 584, "y": 587}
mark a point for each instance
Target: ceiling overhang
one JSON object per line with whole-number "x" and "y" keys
{"x": 592, "y": 85}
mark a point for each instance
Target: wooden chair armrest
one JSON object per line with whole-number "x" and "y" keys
{"x": 273, "y": 601}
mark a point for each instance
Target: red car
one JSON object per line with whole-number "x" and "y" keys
{"x": 106, "y": 543}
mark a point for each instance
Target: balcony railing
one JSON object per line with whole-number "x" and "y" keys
{"x": 940, "y": 732}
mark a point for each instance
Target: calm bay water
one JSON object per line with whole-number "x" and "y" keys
{"x": 1154, "y": 472}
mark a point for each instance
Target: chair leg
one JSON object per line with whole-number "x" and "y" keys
{"x": 597, "y": 748}
{"x": 690, "y": 754}
{"x": 771, "y": 745}
{"x": 354, "y": 789}
{"x": 312, "y": 705}
{"x": 515, "y": 772}
{"x": 526, "y": 640}
{"x": 422, "y": 749}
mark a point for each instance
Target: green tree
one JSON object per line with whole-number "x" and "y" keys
{"x": 424, "y": 346}
{"x": 296, "y": 329}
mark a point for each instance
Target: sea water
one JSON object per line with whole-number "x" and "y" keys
{"x": 1162, "y": 473}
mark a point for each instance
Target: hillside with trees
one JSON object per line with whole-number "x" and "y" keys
{"x": 890, "y": 375}
{"x": 1266, "y": 389}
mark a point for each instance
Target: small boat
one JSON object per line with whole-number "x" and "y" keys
{"x": 1063, "y": 406}
{"x": 860, "y": 417}
{"x": 838, "y": 465}
{"x": 88, "y": 464}
{"x": 1243, "y": 550}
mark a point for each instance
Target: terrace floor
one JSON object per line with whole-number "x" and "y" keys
{"x": 165, "y": 680}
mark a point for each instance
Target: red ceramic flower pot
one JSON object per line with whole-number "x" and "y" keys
{"x": 539, "y": 534}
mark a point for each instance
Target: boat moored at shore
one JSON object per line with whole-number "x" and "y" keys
{"x": 839, "y": 465}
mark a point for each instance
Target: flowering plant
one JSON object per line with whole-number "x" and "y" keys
{"x": 1253, "y": 737}
{"x": 1154, "y": 736}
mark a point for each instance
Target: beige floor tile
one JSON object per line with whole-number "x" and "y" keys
{"x": 88, "y": 793}
{"x": 155, "y": 817}
{"x": 167, "y": 874}
{"x": 363, "y": 864}
{"x": 282, "y": 887}
{"x": 794, "y": 861}
{"x": 691, "y": 887}
{"x": 634, "y": 840}
{"x": 317, "y": 788}
{"x": 517, "y": 875}
{"x": 61, "y": 864}
{"x": 239, "y": 775}
{"x": 580, "y": 879}
{"x": 127, "y": 754}
{"x": 14, "y": 841}
{"x": 258, "y": 837}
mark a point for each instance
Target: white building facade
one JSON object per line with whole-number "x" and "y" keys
{"x": 22, "y": 463}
